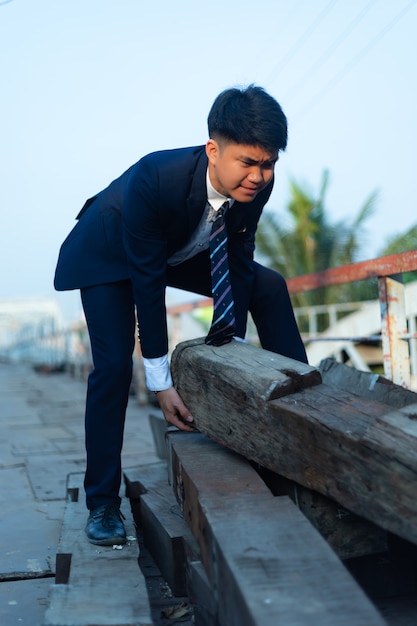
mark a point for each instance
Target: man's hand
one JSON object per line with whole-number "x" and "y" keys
{"x": 174, "y": 410}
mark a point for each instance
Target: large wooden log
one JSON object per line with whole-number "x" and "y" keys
{"x": 360, "y": 452}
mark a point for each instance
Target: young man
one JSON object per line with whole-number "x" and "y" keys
{"x": 150, "y": 229}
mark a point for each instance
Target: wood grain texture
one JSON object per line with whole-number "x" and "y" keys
{"x": 358, "y": 451}
{"x": 365, "y": 384}
{"x": 275, "y": 375}
{"x": 265, "y": 563}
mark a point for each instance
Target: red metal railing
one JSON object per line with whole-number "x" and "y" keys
{"x": 388, "y": 271}
{"x": 375, "y": 268}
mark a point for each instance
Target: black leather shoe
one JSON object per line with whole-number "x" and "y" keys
{"x": 105, "y": 526}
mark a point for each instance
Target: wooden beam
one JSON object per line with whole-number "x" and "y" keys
{"x": 365, "y": 384}
{"x": 349, "y": 535}
{"x": 357, "y": 451}
{"x": 265, "y": 562}
{"x": 256, "y": 376}
{"x": 156, "y": 513}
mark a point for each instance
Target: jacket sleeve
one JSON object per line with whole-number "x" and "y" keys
{"x": 146, "y": 249}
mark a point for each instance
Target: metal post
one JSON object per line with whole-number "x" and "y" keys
{"x": 413, "y": 348}
{"x": 394, "y": 324}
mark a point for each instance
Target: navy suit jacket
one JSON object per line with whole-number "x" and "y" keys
{"x": 130, "y": 229}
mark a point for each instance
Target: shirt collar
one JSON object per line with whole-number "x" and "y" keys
{"x": 214, "y": 198}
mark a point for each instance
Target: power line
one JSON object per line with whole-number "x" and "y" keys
{"x": 325, "y": 55}
{"x": 301, "y": 41}
{"x": 5, "y": 2}
{"x": 356, "y": 59}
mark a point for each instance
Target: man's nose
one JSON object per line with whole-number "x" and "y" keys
{"x": 255, "y": 175}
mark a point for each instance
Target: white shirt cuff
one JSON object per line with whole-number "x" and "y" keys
{"x": 157, "y": 373}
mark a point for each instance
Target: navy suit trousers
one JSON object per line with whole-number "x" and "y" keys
{"x": 110, "y": 315}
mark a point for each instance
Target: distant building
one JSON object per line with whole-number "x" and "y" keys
{"x": 24, "y": 322}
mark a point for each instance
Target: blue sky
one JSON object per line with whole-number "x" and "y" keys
{"x": 89, "y": 86}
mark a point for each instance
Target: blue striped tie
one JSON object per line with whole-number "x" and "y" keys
{"x": 222, "y": 327}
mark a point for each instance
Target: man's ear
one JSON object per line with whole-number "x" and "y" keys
{"x": 212, "y": 151}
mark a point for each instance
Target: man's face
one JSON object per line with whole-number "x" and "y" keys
{"x": 239, "y": 171}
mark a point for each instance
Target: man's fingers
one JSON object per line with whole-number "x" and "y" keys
{"x": 174, "y": 410}
{"x": 184, "y": 412}
{"x": 175, "y": 421}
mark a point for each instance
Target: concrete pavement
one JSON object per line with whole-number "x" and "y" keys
{"x": 41, "y": 442}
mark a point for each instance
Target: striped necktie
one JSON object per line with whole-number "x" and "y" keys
{"x": 223, "y": 325}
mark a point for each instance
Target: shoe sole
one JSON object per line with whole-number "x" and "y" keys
{"x": 116, "y": 541}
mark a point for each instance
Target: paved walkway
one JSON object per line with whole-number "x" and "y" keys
{"x": 41, "y": 442}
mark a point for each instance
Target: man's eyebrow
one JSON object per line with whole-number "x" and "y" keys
{"x": 256, "y": 161}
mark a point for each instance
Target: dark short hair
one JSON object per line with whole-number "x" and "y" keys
{"x": 248, "y": 116}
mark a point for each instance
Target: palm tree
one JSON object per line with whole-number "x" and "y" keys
{"x": 312, "y": 243}
{"x": 402, "y": 243}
